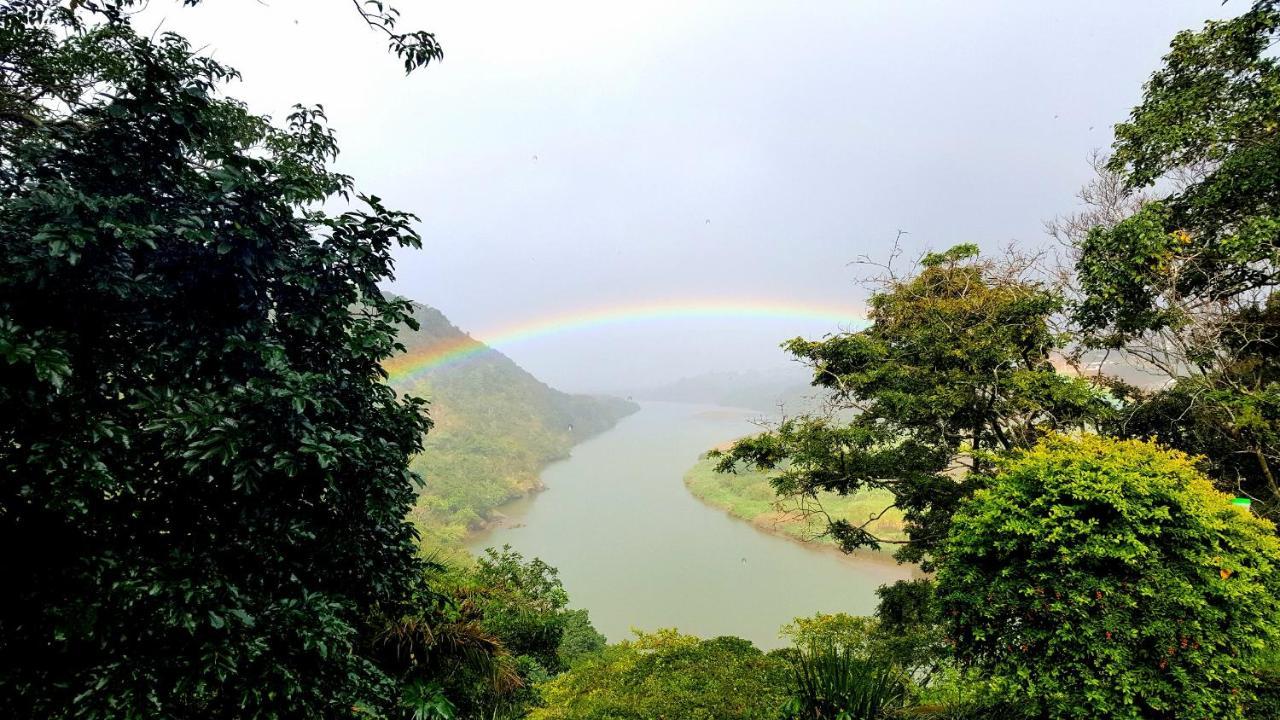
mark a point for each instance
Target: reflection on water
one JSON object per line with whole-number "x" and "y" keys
{"x": 636, "y": 549}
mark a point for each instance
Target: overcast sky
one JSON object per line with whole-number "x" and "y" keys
{"x": 574, "y": 155}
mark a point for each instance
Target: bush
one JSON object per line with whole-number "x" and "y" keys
{"x": 1101, "y": 578}
{"x": 523, "y": 604}
{"x": 842, "y": 631}
{"x": 668, "y": 675}
{"x": 580, "y": 638}
{"x": 834, "y": 682}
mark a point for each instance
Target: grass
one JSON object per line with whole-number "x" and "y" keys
{"x": 748, "y": 495}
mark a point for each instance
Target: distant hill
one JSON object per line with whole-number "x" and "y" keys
{"x": 762, "y": 391}
{"x": 496, "y": 428}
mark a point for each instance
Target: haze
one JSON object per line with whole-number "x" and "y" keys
{"x": 572, "y": 155}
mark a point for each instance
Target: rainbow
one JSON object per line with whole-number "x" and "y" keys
{"x": 406, "y": 366}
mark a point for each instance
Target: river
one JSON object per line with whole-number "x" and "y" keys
{"x": 637, "y": 550}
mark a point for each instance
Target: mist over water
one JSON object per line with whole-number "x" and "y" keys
{"x": 637, "y": 550}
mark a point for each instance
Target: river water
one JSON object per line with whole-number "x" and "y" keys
{"x": 637, "y": 550}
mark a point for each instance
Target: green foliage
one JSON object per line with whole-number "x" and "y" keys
{"x": 840, "y": 631}
{"x": 1188, "y": 282}
{"x": 523, "y": 603}
{"x": 957, "y": 362}
{"x": 440, "y": 653}
{"x": 838, "y": 683}
{"x": 201, "y": 463}
{"x": 580, "y": 638}
{"x": 957, "y": 693}
{"x": 910, "y": 634}
{"x": 416, "y": 48}
{"x": 749, "y": 494}
{"x": 426, "y": 701}
{"x": 1266, "y": 704}
{"x": 668, "y": 675}
{"x": 1230, "y": 417}
{"x": 1108, "y": 578}
{"x": 906, "y": 634}
{"x": 837, "y": 656}
{"x": 907, "y": 603}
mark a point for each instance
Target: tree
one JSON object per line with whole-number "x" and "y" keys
{"x": 523, "y": 605}
{"x": 958, "y": 361}
{"x": 910, "y": 629}
{"x": 855, "y": 633}
{"x": 580, "y": 638}
{"x": 203, "y": 474}
{"x": 1187, "y": 282}
{"x": 1104, "y": 578}
{"x": 440, "y": 654}
{"x": 668, "y": 675}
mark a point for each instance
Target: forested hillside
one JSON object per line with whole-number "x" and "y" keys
{"x": 496, "y": 427}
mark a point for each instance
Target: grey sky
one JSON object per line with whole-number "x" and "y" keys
{"x": 568, "y": 154}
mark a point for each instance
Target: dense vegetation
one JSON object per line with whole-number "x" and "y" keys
{"x": 666, "y": 674}
{"x": 1108, "y": 577}
{"x": 202, "y": 466}
{"x": 205, "y": 479}
{"x": 1187, "y": 283}
{"x": 495, "y": 428}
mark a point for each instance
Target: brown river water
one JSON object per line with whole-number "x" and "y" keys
{"x": 637, "y": 550}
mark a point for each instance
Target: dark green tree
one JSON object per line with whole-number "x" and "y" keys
{"x": 1186, "y": 281}
{"x": 580, "y": 638}
{"x": 203, "y": 475}
{"x": 1105, "y": 578}
{"x": 957, "y": 362}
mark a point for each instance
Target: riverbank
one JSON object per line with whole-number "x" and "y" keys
{"x": 749, "y": 496}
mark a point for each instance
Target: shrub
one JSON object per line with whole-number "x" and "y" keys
{"x": 838, "y": 630}
{"x": 580, "y": 638}
{"x": 1102, "y": 578}
{"x": 669, "y": 675}
{"x": 835, "y": 682}
{"x": 910, "y": 629}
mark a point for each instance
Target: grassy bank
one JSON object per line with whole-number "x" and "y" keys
{"x": 749, "y": 496}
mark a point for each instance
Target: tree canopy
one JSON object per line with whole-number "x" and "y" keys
{"x": 957, "y": 361}
{"x": 669, "y": 675}
{"x": 201, "y": 463}
{"x": 1108, "y": 578}
{"x": 1187, "y": 281}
